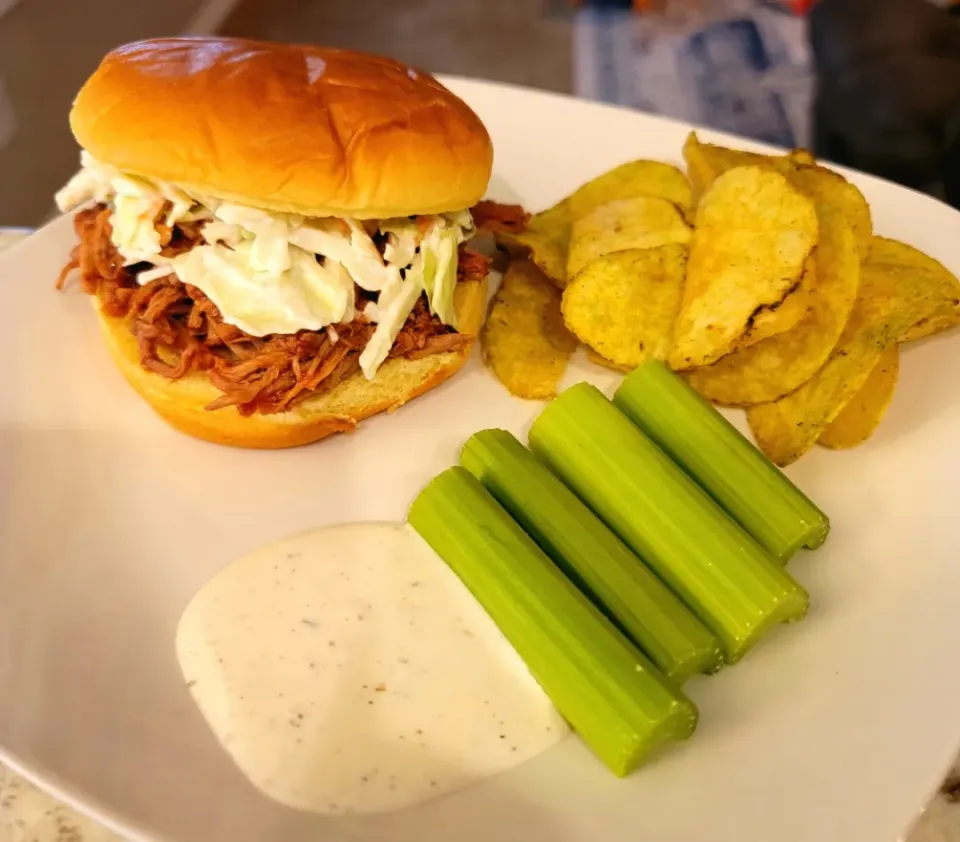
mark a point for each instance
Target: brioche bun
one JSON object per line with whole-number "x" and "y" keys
{"x": 181, "y": 402}
{"x": 300, "y": 129}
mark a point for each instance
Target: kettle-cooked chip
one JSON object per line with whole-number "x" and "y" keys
{"x": 772, "y": 321}
{"x": 641, "y": 223}
{"x": 629, "y": 180}
{"x": 776, "y": 366}
{"x": 947, "y": 315}
{"x": 804, "y": 157}
{"x": 706, "y": 162}
{"x": 544, "y": 241}
{"x": 890, "y": 301}
{"x": 624, "y": 305}
{"x": 753, "y": 234}
{"x": 547, "y": 236}
{"x": 859, "y": 418}
{"x": 599, "y": 359}
{"x": 524, "y": 340}
{"x": 830, "y": 188}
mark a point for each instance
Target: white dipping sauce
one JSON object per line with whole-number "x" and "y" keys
{"x": 349, "y": 670}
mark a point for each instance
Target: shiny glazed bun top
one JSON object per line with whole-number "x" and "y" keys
{"x": 309, "y": 130}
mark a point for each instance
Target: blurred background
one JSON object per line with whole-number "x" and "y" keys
{"x": 873, "y": 84}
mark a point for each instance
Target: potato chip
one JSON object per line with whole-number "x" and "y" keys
{"x": 947, "y": 315}
{"x": 804, "y": 157}
{"x": 599, "y": 359}
{"x": 889, "y": 301}
{"x": 706, "y": 162}
{"x": 624, "y": 305}
{"x": 544, "y": 241}
{"x": 776, "y": 366}
{"x": 753, "y": 234}
{"x": 629, "y": 180}
{"x": 524, "y": 340}
{"x": 771, "y": 321}
{"x": 830, "y": 188}
{"x": 547, "y": 237}
{"x": 886, "y": 250}
{"x": 641, "y": 223}
{"x": 859, "y": 418}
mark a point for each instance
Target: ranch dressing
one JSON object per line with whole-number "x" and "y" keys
{"x": 348, "y": 670}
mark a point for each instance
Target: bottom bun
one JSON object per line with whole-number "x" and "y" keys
{"x": 181, "y": 402}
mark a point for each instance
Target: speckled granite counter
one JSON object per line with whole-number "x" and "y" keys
{"x": 29, "y": 815}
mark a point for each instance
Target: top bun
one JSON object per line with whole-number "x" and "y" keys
{"x": 301, "y": 129}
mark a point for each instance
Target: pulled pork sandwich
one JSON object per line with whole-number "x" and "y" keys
{"x": 275, "y": 235}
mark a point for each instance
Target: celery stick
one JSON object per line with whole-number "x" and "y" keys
{"x": 608, "y": 691}
{"x": 729, "y": 468}
{"x": 592, "y": 556}
{"x": 715, "y": 567}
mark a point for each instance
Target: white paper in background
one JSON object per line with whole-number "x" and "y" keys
{"x": 737, "y": 65}
{"x": 8, "y": 118}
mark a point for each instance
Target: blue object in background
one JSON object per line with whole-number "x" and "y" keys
{"x": 725, "y": 64}
{"x": 739, "y": 66}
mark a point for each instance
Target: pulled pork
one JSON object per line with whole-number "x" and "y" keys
{"x": 472, "y": 266}
{"x": 179, "y": 330}
{"x": 496, "y": 217}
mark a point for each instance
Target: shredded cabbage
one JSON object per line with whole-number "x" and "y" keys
{"x": 261, "y": 269}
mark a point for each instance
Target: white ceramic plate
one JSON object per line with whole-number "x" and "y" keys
{"x": 836, "y": 729}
